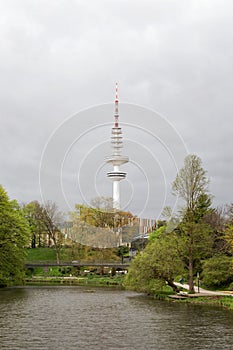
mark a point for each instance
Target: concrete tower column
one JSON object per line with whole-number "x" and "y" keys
{"x": 116, "y": 159}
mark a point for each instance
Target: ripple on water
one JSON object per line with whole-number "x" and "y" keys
{"x": 73, "y": 318}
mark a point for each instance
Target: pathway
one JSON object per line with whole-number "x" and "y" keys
{"x": 204, "y": 291}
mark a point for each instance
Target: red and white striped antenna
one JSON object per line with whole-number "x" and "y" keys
{"x": 116, "y": 107}
{"x": 116, "y": 91}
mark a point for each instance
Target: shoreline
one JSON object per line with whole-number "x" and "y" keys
{"x": 74, "y": 281}
{"x": 209, "y": 298}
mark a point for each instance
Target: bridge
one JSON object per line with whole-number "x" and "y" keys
{"x": 115, "y": 264}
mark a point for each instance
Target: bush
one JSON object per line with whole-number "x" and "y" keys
{"x": 217, "y": 271}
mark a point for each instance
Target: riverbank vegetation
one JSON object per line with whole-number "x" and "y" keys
{"x": 14, "y": 235}
{"x": 70, "y": 275}
{"x": 73, "y": 275}
{"x": 74, "y": 252}
{"x": 82, "y": 280}
{"x": 215, "y": 300}
{"x": 195, "y": 244}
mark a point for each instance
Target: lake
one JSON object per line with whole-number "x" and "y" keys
{"x": 70, "y": 318}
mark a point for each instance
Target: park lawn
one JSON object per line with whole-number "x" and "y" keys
{"x": 40, "y": 254}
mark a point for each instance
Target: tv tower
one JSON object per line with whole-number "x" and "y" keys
{"x": 116, "y": 159}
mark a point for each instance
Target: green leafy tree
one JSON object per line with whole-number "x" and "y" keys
{"x": 157, "y": 233}
{"x": 194, "y": 235}
{"x": 14, "y": 236}
{"x": 194, "y": 243}
{"x": 32, "y": 213}
{"x": 156, "y": 266}
{"x": 228, "y": 235}
{"x": 228, "y": 232}
{"x": 202, "y": 207}
{"x": 121, "y": 251}
{"x": 102, "y": 217}
{"x": 217, "y": 271}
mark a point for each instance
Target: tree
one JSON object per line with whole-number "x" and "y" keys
{"x": 99, "y": 227}
{"x": 14, "y": 236}
{"x": 217, "y": 220}
{"x": 228, "y": 235}
{"x": 121, "y": 251}
{"x": 217, "y": 271}
{"x": 230, "y": 213}
{"x": 228, "y": 232}
{"x": 102, "y": 216}
{"x": 32, "y": 213}
{"x": 194, "y": 243}
{"x": 52, "y": 219}
{"x": 157, "y": 233}
{"x": 191, "y": 183}
{"x": 157, "y": 265}
{"x": 101, "y": 202}
{"x": 194, "y": 235}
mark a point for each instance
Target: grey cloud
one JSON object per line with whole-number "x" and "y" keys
{"x": 59, "y": 57}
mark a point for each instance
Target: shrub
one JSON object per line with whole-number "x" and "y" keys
{"x": 217, "y": 271}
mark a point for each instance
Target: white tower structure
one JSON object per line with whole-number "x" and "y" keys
{"x": 116, "y": 159}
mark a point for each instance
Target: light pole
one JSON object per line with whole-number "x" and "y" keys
{"x": 198, "y": 282}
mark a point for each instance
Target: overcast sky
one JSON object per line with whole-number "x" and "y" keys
{"x": 60, "y": 58}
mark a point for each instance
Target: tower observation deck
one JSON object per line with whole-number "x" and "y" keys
{"x": 116, "y": 159}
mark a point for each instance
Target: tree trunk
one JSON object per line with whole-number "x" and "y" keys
{"x": 57, "y": 254}
{"x": 33, "y": 242}
{"x": 174, "y": 287}
{"x": 191, "y": 282}
{"x": 57, "y": 248}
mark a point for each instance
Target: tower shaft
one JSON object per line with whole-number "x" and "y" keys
{"x": 116, "y": 159}
{"x": 116, "y": 194}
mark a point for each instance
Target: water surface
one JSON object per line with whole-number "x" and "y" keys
{"x": 70, "y": 318}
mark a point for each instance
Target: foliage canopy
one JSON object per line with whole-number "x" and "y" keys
{"x": 14, "y": 236}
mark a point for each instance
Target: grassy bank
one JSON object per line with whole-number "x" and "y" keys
{"x": 215, "y": 300}
{"x": 91, "y": 280}
{"x": 70, "y": 253}
{"x": 71, "y": 275}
